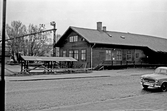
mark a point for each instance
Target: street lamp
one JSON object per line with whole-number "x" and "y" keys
{"x": 54, "y": 36}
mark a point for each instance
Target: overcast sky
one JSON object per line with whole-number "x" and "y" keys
{"x": 148, "y": 17}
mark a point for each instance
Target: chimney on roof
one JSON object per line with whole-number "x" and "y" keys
{"x": 104, "y": 28}
{"x": 99, "y": 26}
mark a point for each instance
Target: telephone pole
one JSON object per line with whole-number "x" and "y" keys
{"x": 2, "y": 82}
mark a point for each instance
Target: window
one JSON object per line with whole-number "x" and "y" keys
{"x": 83, "y": 54}
{"x": 160, "y": 71}
{"x": 108, "y": 54}
{"x": 64, "y": 53}
{"x": 129, "y": 55}
{"x": 119, "y": 55}
{"x": 70, "y": 53}
{"x": 73, "y": 54}
{"x": 76, "y": 54}
{"x": 71, "y": 39}
{"x": 74, "y": 38}
{"x": 137, "y": 55}
{"x": 57, "y": 51}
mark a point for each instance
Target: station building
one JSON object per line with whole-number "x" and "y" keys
{"x": 99, "y": 47}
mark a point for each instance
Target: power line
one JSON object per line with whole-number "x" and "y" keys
{"x": 30, "y": 34}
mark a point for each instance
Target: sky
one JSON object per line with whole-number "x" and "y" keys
{"x": 148, "y": 17}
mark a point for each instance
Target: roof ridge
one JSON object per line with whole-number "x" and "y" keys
{"x": 83, "y": 28}
{"x": 157, "y": 37}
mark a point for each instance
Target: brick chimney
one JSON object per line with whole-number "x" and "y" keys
{"x": 99, "y": 26}
{"x": 104, "y": 28}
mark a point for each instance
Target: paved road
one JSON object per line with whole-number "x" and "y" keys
{"x": 119, "y": 91}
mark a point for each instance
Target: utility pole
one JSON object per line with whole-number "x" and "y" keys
{"x": 54, "y": 37}
{"x": 2, "y": 82}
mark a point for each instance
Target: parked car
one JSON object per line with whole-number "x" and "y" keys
{"x": 156, "y": 80}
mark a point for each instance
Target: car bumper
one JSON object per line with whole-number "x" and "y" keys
{"x": 154, "y": 85}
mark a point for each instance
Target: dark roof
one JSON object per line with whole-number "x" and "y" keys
{"x": 120, "y": 38}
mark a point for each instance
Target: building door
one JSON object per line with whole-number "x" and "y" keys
{"x": 101, "y": 57}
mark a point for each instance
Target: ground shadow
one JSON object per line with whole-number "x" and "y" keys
{"x": 151, "y": 90}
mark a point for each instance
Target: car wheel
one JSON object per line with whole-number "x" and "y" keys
{"x": 145, "y": 86}
{"x": 164, "y": 87}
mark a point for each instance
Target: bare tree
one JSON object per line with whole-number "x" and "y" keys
{"x": 37, "y": 43}
{"x": 15, "y": 30}
{"x": 33, "y": 45}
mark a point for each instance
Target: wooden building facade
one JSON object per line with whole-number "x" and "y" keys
{"x": 95, "y": 47}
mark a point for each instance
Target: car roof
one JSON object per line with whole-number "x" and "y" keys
{"x": 163, "y": 68}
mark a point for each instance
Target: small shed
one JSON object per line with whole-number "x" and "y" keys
{"x": 47, "y": 64}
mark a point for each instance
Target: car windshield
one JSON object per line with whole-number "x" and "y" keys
{"x": 161, "y": 71}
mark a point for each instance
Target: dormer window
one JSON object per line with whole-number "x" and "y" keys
{"x": 73, "y": 38}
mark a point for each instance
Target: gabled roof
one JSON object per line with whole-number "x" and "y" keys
{"x": 120, "y": 38}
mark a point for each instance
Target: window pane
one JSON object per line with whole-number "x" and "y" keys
{"x": 129, "y": 55}
{"x": 71, "y": 39}
{"x": 76, "y": 54}
{"x": 83, "y": 54}
{"x": 108, "y": 54}
{"x": 64, "y": 53}
{"x": 137, "y": 55}
{"x": 119, "y": 55}
{"x": 75, "y": 38}
{"x": 70, "y": 53}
